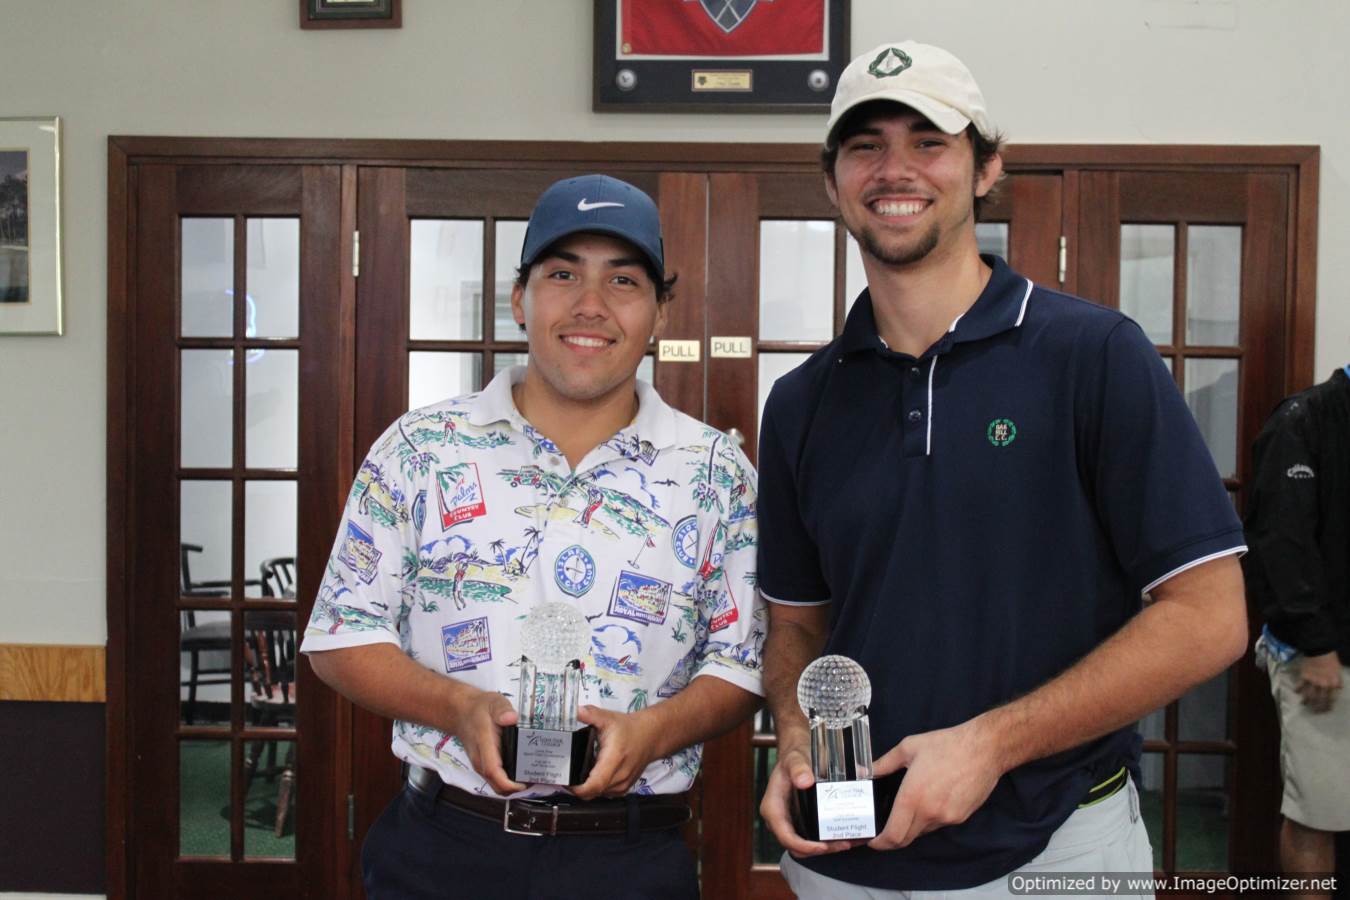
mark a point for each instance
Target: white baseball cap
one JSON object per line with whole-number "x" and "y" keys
{"x": 925, "y": 78}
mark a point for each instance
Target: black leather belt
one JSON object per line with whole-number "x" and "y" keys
{"x": 1110, "y": 787}
{"x": 562, "y": 814}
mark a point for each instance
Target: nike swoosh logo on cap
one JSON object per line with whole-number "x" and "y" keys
{"x": 584, "y": 206}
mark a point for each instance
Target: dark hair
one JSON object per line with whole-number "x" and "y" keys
{"x": 665, "y": 287}
{"x": 985, "y": 148}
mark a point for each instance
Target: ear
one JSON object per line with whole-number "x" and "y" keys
{"x": 660, "y": 327}
{"x": 830, "y": 190}
{"x": 993, "y": 171}
{"x": 518, "y": 304}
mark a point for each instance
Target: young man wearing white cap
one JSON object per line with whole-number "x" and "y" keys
{"x": 564, "y": 480}
{"x": 969, "y": 492}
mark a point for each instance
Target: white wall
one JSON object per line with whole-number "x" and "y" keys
{"x": 1266, "y": 71}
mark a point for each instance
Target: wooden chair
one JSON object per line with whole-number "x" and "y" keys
{"x": 209, "y": 637}
{"x": 269, "y": 663}
{"x": 278, "y": 576}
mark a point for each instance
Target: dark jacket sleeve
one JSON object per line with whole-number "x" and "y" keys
{"x": 1284, "y": 566}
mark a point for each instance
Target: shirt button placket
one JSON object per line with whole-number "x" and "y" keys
{"x": 913, "y": 397}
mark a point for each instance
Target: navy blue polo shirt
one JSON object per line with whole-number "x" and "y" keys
{"x": 979, "y": 519}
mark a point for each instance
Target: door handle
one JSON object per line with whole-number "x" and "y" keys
{"x": 735, "y": 435}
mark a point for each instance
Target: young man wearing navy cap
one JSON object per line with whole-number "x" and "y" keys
{"x": 563, "y": 480}
{"x": 973, "y": 492}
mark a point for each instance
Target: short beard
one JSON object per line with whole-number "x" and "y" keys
{"x": 925, "y": 245}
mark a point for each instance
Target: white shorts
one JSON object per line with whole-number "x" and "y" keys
{"x": 1106, "y": 837}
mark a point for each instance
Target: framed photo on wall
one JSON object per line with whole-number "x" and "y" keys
{"x": 718, "y": 55}
{"x": 351, "y": 14}
{"x": 30, "y": 226}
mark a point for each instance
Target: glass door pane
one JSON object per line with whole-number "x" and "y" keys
{"x": 445, "y": 268}
{"x": 1147, "y": 263}
{"x": 796, "y": 280}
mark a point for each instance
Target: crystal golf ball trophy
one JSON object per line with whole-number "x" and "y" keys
{"x": 834, "y": 693}
{"x": 548, "y": 745}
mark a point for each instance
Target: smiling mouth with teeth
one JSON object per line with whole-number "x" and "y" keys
{"x": 899, "y": 207}
{"x": 581, "y": 341}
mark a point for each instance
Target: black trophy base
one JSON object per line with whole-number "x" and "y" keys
{"x": 583, "y": 743}
{"x": 806, "y": 816}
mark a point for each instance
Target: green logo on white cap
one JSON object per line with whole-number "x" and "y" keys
{"x": 891, "y": 61}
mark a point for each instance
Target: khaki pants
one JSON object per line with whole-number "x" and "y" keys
{"x": 1314, "y": 751}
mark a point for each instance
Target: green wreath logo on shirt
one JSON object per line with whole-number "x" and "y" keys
{"x": 1002, "y": 432}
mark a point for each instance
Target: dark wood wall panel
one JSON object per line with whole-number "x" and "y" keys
{"x": 733, "y": 274}
{"x": 1099, "y": 238}
{"x": 473, "y": 193}
{"x": 152, "y": 679}
{"x": 795, "y": 196}
{"x": 1263, "y": 326}
{"x": 326, "y": 325}
{"x": 1302, "y": 246}
{"x": 1264, "y": 269}
{"x": 380, "y": 392}
{"x": 122, "y": 224}
{"x": 682, "y": 197}
{"x": 207, "y": 191}
{"x": 1034, "y": 239}
{"x": 1200, "y": 198}
{"x": 52, "y": 815}
{"x": 384, "y": 271}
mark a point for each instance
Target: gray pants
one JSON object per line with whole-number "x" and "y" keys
{"x": 1106, "y": 837}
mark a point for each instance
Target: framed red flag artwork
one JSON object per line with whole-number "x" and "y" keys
{"x": 718, "y": 55}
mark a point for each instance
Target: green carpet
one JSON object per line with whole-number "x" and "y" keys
{"x": 1202, "y": 829}
{"x": 204, "y": 805}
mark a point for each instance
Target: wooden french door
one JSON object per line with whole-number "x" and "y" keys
{"x": 439, "y": 248}
{"x": 784, "y": 275}
{"x": 230, "y": 460}
{"x": 237, "y": 428}
{"x": 1202, "y": 260}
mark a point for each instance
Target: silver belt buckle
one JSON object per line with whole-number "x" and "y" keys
{"x": 506, "y": 821}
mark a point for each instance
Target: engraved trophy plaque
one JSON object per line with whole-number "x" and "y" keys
{"x": 834, "y": 693}
{"x": 548, "y": 745}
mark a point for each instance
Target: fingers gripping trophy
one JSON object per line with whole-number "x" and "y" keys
{"x": 834, "y": 693}
{"x": 548, "y": 745}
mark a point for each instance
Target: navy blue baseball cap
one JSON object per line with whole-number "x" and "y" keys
{"x": 595, "y": 203}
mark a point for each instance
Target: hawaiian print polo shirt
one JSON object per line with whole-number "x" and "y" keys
{"x": 463, "y": 517}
